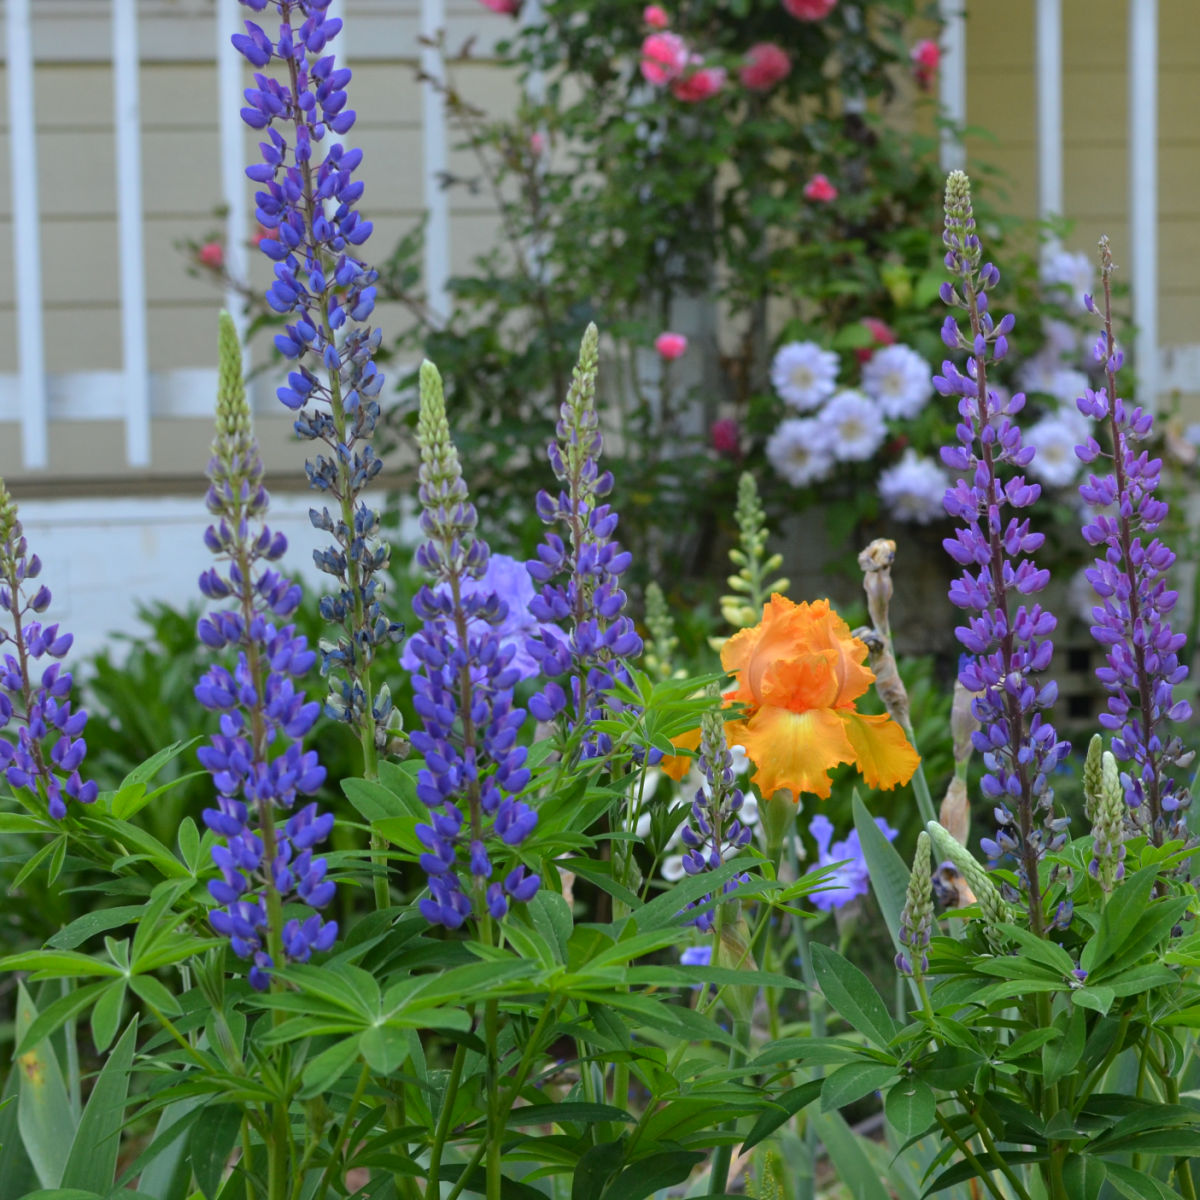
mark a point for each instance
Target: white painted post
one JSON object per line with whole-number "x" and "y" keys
{"x": 1143, "y": 192}
{"x": 433, "y": 143}
{"x": 27, "y": 258}
{"x": 130, "y": 242}
{"x": 1048, "y": 52}
{"x": 234, "y": 184}
{"x": 952, "y": 81}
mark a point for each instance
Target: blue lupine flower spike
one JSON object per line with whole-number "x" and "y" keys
{"x": 257, "y": 762}
{"x": 578, "y": 570}
{"x": 1129, "y": 576}
{"x": 474, "y": 769}
{"x": 35, "y": 697}
{"x": 327, "y": 292}
{"x": 1008, "y": 641}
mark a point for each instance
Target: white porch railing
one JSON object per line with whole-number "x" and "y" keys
{"x": 72, "y": 30}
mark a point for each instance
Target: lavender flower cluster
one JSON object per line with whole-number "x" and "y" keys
{"x": 257, "y": 761}
{"x": 49, "y": 748}
{"x": 1009, "y": 648}
{"x": 586, "y": 636}
{"x": 1129, "y": 576}
{"x": 308, "y": 205}
{"x": 474, "y": 769}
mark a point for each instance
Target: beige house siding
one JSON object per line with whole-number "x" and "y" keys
{"x": 180, "y": 149}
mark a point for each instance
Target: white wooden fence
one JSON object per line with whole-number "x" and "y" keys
{"x": 125, "y": 31}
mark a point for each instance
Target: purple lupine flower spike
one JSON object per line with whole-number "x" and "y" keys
{"x": 35, "y": 698}
{"x": 1142, "y": 651}
{"x": 256, "y": 761}
{"x": 327, "y": 293}
{"x": 474, "y": 769}
{"x": 588, "y": 637}
{"x": 1007, "y": 639}
{"x": 714, "y": 830}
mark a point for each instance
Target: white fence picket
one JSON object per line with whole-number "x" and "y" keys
{"x": 1143, "y": 191}
{"x": 1048, "y": 71}
{"x": 433, "y": 144}
{"x": 235, "y": 190}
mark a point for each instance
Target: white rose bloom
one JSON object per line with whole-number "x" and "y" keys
{"x": 799, "y": 450}
{"x": 1055, "y": 441}
{"x": 900, "y": 380}
{"x": 1072, "y": 272}
{"x": 803, "y": 374}
{"x": 913, "y": 489}
{"x": 855, "y": 426}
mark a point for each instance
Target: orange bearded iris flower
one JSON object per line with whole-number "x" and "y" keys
{"x": 799, "y": 672}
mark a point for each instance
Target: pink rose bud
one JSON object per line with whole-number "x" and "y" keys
{"x": 881, "y": 334}
{"x": 699, "y": 85}
{"x": 257, "y": 236}
{"x": 655, "y": 16}
{"x": 820, "y": 189}
{"x": 925, "y": 55}
{"x": 725, "y": 437}
{"x": 670, "y": 345}
{"x": 810, "y": 10}
{"x": 537, "y": 143}
{"x": 211, "y": 255}
{"x": 765, "y": 66}
{"x": 506, "y": 8}
{"x": 664, "y": 56}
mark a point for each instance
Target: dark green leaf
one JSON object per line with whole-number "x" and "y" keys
{"x": 782, "y": 1109}
{"x": 92, "y": 923}
{"x": 558, "y": 1114}
{"x": 44, "y": 1114}
{"x": 92, "y": 1162}
{"x": 853, "y": 1167}
{"x": 852, "y": 996}
{"x": 1061, "y": 1056}
{"x": 910, "y": 1107}
{"x": 889, "y": 874}
{"x": 1138, "y": 1185}
{"x": 593, "y": 1171}
{"x": 106, "y": 1016}
{"x": 962, "y": 1171}
{"x": 853, "y": 1082}
{"x": 210, "y": 1143}
{"x": 651, "y": 1173}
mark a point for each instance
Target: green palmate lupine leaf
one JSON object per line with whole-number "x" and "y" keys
{"x": 667, "y": 909}
{"x": 165, "y": 1171}
{"x": 326, "y": 1068}
{"x": 1126, "y": 907}
{"x": 189, "y": 843}
{"x": 888, "y": 872}
{"x": 1039, "y": 950}
{"x": 22, "y": 823}
{"x": 600, "y": 874}
{"x": 92, "y": 1162}
{"x": 1061, "y": 1055}
{"x": 140, "y": 846}
{"x": 145, "y": 771}
{"x": 1138, "y": 980}
{"x": 551, "y": 916}
{"x": 90, "y": 924}
{"x": 211, "y": 1140}
{"x": 961, "y": 1172}
{"x": 649, "y": 1174}
{"x": 854, "y": 1081}
{"x": 854, "y": 1170}
{"x": 580, "y": 1113}
{"x": 910, "y": 1107}
{"x": 57, "y": 846}
{"x": 530, "y": 944}
{"x": 782, "y": 1109}
{"x": 384, "y": 1050}
{"x": 852, "y": 996}
{"x": 44, "y": 1115}
{"x": 106, "y": 1016}
{"x": 157, "y": 994}
{"x": 1099, "y": 999}
{"x": 58, "y": 1013}
{"x": 374, "y": 801}
{"x": 595, "y": 1168}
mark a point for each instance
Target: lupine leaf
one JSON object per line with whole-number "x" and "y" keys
{"x": 888, "y": 872}
{"x": 854, "y": 1169}
{"x": 782, "y": 1109}
{"x": 93, "y": 1159}
{"x": 92, "y": 923}
{"x": 854, "y": 1081}
{"x": 910, "y": 1107}
{"x": 210, "y": 1143}
{"x": 44, "y": 1114}
{"x": 106, "y": 1016}
{"x": 649, "y": 1174}
{"x": 853, "y": 996}
{"x": 164, "y": 1171}
{"x": 16, "y": 1171}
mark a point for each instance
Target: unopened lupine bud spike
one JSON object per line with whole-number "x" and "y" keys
{"x": 1093, "y": 776}
{"x": 992, "y": 906}
{"x": 916, "y": 918}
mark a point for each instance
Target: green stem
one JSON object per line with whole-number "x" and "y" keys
{"x": 721, "y": 1159}
{"x": 1183, "y": 1165}
{"x": 279, "y": 1154}
{"x": 443, "y": 1124}
{"x": 247, "y": 1157}
{"x": 491, "y": 1021}
{"x": 816, "y": 1018}
{"x": 335, "y": 1151}
{"x": 965, "y": 1150}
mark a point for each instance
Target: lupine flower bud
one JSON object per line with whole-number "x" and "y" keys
{"x": 1108, "y": 821}
{"x": 916, "y": 918}
{"x": 474, "y": 769}
{"x": 1093, "y": 777}
{"x": 991, "y": 904}
{"x": 714, "y": 830}
{"x": 48, "y": 750}
{"x": 752, "y": 586}
{"x": 256, "y": 761}
{"x": 662, "y": 642}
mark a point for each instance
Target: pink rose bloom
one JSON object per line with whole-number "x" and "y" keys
{"x": 506, "y": 8}
{"x": 725, "y": 437}
{"x": 765, "y": 66}
{"x": 810, "y": 10}
{"x": 925, "y": 55}
{"x": 670, "y": 345}
{"x": 655, "y": 16}
{"x": 699, "y": 85}
{"x": 820, "y": 189}
{"x": 664, "y": 56}
{"x": 537, "y": 144}
{"x": 211, "y": 255}
{"x": 881, "y": 335}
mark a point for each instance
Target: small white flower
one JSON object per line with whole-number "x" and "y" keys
{"x": 1067, "y": 385}
{"x": 1081, "y": 596}
{"x": 741, "y": 761}
{"x": 900, "y": 380}
{"x": 799, "y": 450}
{"x": 1055, "y": 441}
{"x": 803, "y": 374}
{"x": 1037, "y": 374}
{"x": 855, "y": 426}
{"x": 672, "y": 868}
{"x": 642, "y": 828}
{"x": 912, "y": 490}
{"x": 748, "y": 813}
{"x": 1063, "y": 340}
{"x": 1073, "y": 272}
